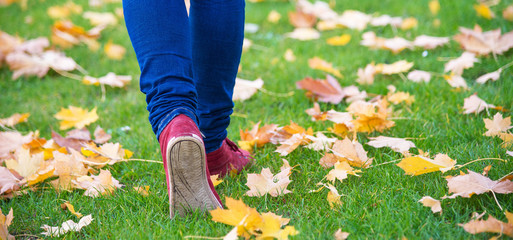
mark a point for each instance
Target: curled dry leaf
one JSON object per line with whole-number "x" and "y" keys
{"x": 399, "y": 145}
{"x": 419, "y": 76}
{"x": 474, "y": 104}
{"x": 418, "y": 165}
{"x": 434, "y": 204}
{"x": 267, "y": 183}
{"x": 110, "y": 79}
{"x": 474, "y": 183}
{"x": 67, "y": 226}
{"x": 494, "y": 76}
{"x": 67, "y": 205}
{"x": 490, "y": 225}
{"x": 244, "y": 89}
{"x": 75, "y": 117}
{"x": 497, "y": 125}
{"x": 14, "y": 119}
{"x": 457, "y": 65}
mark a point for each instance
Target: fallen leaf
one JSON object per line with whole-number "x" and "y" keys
{"x": 354, "y": 19}
{"x": 114, "y": 51}
{"x": 64, "y": 11}
{"x": 97, "y": 18}
{"x": 67, "y": 205}
{"x": 409, "y": 23}
{"x": 352, "y": 152}
{"x": 320, "y": 64}
{"x": 25, "y": 164}
{"x": 12, "y": 140}
{"x": 398, "y": 97}
{"x": 456, "y": 81}
{"x": 497, "y": 125}
{"x": 8, "y": 182}
{"x": 267, "y": 183}
{"x": 457, "y": 65}
{"x": 490, "y": 225}
{"x": 508, "y": 13}
{"x": 304, "y": 34}
{"x": 110, "y": 79}
{"x": 340, "y": 172}
{"x": 418, "y": 165}
{"x": 289, "y": 55}
{"x": 258, "y": 136}
{"x": 66, "y": 227}
{"x": 320, "y": 142}
{"x": 429, "y": 42}
{"x": 434, "y": 204}
{"x": 244, "y": 89}
{"x": 341, "y": 40}
{"x": 483, "y": 43}
{"x": 5, "y": 222}
{"x": 316, "y": 113}
{"x": 273, "y": 16}
{"x": 339, "y": 235}
{"x": 399, "y": 145}
{"x": 385, "y": 20}
{"x": 370, "y": 117}
{"x": 328, "y": 90}
{"x": 366, "y": 75}
{"x": 474, "y": 183}
{"x": 144, "y": 190}
{"x": 484, "y": 11}
{"x": 100, "y": 136}
{"x": 489, "y": 76}
{"x": 102, "y": 184}
{"x": 474, "y": 104}
{"x": 300, "y": 19}
{"x": 419, "y": 76}
{"x": 396, "y": 67}
{"x": 14, "y": 119}
{"x": 215, "y": 179}
{"x": 434, "y": 6}
{"x": 75, "y": 117}
{"x": 271, "y": 228}
{"x": 246, "y": 219}
{"x": 68, "y": 167}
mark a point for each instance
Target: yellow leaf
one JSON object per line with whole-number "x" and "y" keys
{"x": 434, "y": 6}
{"x": 399, "y": 97}
{"x": 5, "y": 221}
{"x": 246, "y": 219}
{"x": 71, "y": 208}
{"x": 271, "y": 228}
{"x": 418, "y": 165}
{"x": 339, "y": 40}
{"x": 484, "y": 11}
{"x": 142, "y": 190}
{"x": 14, "y": 119}
{"x": 75, "y": 117}
{"x": 273, "y": 16}
{"x": 409, "y": 23}
{"x": 215, "y": 179}
{"x": 320, "y": 64}
{"x": 114, "y": 51}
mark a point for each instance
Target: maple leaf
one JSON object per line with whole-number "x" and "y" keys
{"x": 110, "y": 79}
{"x": 483, "y": 43}
{"x": 339, "y": 235}
{"x": 352, "y": 152}
{"x": 370, "y": 117}
{"x": 244, "y": 89}
{"x": 419, "y": 76}
{"x": 271, "y": 228}
{"x": 95, "y": 186}
{"x": 8, "y": 182}
{"x": 258, "y": 136}
{"x": 341, "y": 40}
{"x": 5, "y": 222}
{"x": 328, "y": 90}
{"x": 320, "y": 9}
{"x": 474, "y": 104}
{"x": 244, "y": 218}
{"x": 434, "y": 204}
{"x": 108, "y": 153}
{"x": 333, "y": 196}
{"x": 489, "y": 76}
{"x": 31, "y": 167}
{"x": 316, "y": 113}
{"x": 68, "y": 167}
{"x": 399, "y": 145}
{"x": 267, "y": 183}
{"x": 100, "y": 136}
{"x": 304, "y": 34}
{"x": 430, "y": 42}
{"x": 497, "y": 125}
{"x": 66, "y": 227}
{"x": 320, "y": 64}
{"x": 366, "y": 75}
{"x": 340, "y": 171}
{"x": 215, "y": 179}
{"x": 97, "y": 18}
{"x": 66, "y": 35}
{"x": 290, "y": 137}
{"x": 418, "y": 165}
{"x": 300, "y": 19}
{"x": 490, "y": 225}
{"x": 457, "y": 65}
{"x": 14, "y": 119}
{"x": 320, "y": 142}
{"x": 12, "y": 140}
{"x": 474, "y": 183}
{"x": 75, "y": 117}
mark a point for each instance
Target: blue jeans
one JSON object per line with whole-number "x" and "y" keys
{"x": 188, "y": 64}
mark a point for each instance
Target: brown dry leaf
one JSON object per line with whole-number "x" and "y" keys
{"x": 328, "y": 160}
{"x": 339, "y": 235}
{"x": 370, "y": 117}
{"x": 12, "y": 140}
{"x": 457, "y": 65}
{"x": 300, "y": 19}
{"x": 320, "y": 64}
{"x": 5, "y": 222}
{"x": 290, "y": 137}
{"x": 97, "y": 18}
{"x": 399, "y": 145}
{"x": 508, "y": 13}
{"x": 497, "y": 125}
{"x": 267, "y": 183}
{"x": 341, "y": 40}
{"x": 67, "y": 226}
{"x": 490, "y": 225}
{"x": 75, "y": 117}
{"x": 340, "y": 172}
{"x": 8, "y": 182}
{"x": 396, "y": 67}
{"x": 430, "y": 42}
{"x": 110, "y": 79}
{"x": 434, "y": 204}
{"x": 258, "y": 136}
{"x": 494, "y": 76}
{"x": 68, "y": 142}
{"x": 483, "y": 43}
{"x": 100, "y": 136}
{"x": 95, "y": 186}
{"x": 352, "y": 152}
{"x": 418, "y": 165}
{"x": 68, "y": 167}
{"x": 66, "y": 35}
{"x": 64, "y": 11}
{"x": 419, "y": 76}
{"x": 484, "y": 11}
{"x": 114, "y": 51}
{"x": 67, "y": 205}
{"x": 304, "y": 34}
{"x": 316, "y": 113}
{"x": 474, "y": 104}
{"x": 328, "y": 90}
{"x": 474, "y": 183}
{"x": 244, "y": 89}
{"x": 14, "y": 119}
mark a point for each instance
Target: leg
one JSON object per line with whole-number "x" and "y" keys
{"x": 217, "y": 34}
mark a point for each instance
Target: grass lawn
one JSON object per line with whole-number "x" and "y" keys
{"x": 380, "y": 204}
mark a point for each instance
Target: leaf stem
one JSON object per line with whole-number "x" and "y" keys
{"x": 69, "y": 75}
{"x": 477, "y": 160}
{"x": 497, "y": 201}
{"x": 385, "y": 163}
{"x": 291, "y": 93}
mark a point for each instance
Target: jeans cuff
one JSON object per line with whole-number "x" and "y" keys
{"x": 170, "y": 116}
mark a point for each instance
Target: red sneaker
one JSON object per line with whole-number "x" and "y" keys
{"x": 188, "y": 179}
{"x": 227, "y": 158}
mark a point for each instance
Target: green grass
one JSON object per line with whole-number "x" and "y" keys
{"x": 381, "y": 204}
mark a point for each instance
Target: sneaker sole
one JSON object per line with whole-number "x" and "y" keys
{"x": 187, "y": 177}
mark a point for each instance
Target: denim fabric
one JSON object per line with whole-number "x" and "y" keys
{"x": 188, "y": 64}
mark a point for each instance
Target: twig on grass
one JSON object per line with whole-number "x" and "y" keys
{"x": 478, "y": 160}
